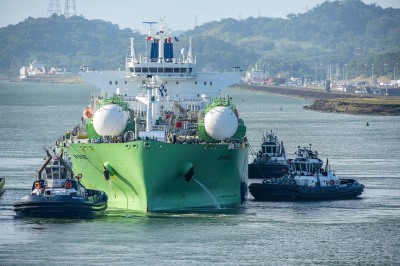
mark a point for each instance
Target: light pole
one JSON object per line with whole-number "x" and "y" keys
{"x": 365, "y": 71}
{"x": 301, "y": 68}
{"x": 291, "y": 70}
{"x": 316, "y": 72}
{"x": 356, "y": 74}
{"x": 372, "y": 72}
{"x": 321, "y": 71}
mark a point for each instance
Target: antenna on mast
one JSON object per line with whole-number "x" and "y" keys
{"x": 151, "y": 30}
{"x": 151, "y": 27}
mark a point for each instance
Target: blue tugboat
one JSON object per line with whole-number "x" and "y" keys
{"x": 271, "y": 160}
{"x": 307, "y": 181}
{"x": 56, "y": 193}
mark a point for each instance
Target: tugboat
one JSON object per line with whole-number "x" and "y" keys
{"x": 56, "y": 193}
{"x": 2, "y": 183}
{"x": 307, "y": 181}
{"x": 271, "y": 160}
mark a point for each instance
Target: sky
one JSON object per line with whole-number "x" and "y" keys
{"x": 179, "y": 14}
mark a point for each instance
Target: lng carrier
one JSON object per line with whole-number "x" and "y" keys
{"x": 175, "y": 145}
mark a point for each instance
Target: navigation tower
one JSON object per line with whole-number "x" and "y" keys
{"x": 69, "y": 8}
{"x": 54, "y": 8}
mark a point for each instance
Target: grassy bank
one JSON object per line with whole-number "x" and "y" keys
{"x": 358, "y": 106}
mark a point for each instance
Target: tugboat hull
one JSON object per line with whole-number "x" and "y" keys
{"x": 61, "y": 206}
{"x": 275, "y": 192}
{"x": 267, "y": 170}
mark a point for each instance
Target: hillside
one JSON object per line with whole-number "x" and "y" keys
{"x": 334, "y": 33}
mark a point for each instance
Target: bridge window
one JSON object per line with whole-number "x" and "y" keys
{"x": 138, "y": 69}
{"x": 160, "y": 70}
{"x": 205, "y": 82}
{"x": 169, "y": 70}
{"x": 153, "y": 70}
{"x": 145, "y": 69}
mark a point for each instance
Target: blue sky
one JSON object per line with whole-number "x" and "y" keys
{"x": 179, "y": 14}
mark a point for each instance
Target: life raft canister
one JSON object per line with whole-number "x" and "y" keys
{"x": 37, "y": 185}
{"x": 88, "y": 112}
{"x": 68, "y": 184}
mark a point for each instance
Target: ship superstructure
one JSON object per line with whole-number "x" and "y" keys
{"x": 177, "y": 75}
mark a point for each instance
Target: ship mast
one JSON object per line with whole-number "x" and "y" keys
{"x": 132, "y": 48}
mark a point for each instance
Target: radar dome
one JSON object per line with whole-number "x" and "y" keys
{"x": 220, "y": 122}
{"x": 110, "y": 120}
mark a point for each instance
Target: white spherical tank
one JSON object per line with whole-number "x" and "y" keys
{"x": 220, "y": 122}
{"x": 110, "y": 120}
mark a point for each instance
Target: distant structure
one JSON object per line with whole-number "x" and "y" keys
{"x": 54, "y": 8}
{"x": 69, "y": 8}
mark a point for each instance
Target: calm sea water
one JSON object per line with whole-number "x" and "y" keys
{"x": 352, "y": 232}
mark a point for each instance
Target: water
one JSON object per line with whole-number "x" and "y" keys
{"x": 353, "y": 232}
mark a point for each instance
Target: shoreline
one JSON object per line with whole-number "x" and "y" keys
{"x": 335, "y": 102}
{"x": 67, "y": 79}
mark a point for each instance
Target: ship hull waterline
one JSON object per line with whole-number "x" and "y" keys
{"x": 278, "y": 192}
{"x": 59, "y": 206}
{"x": 149, "y": 176}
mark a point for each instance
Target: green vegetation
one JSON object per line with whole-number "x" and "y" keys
{"x": 369, "y": 100}
{"x": 363, "y": 38}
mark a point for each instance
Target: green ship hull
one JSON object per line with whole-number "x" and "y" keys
{"x": 150, "y": 176}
